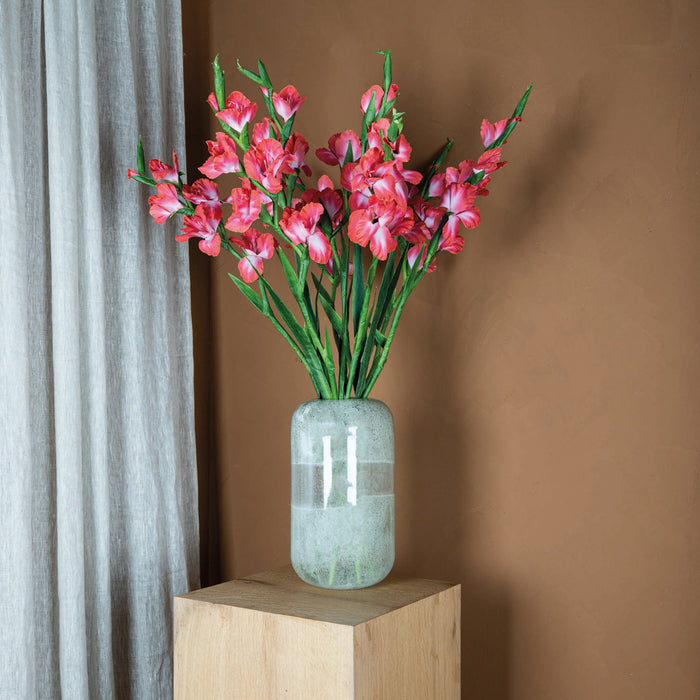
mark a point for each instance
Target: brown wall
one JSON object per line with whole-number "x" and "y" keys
{"x": 545, "y": 383}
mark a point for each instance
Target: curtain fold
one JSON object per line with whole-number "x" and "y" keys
{"x": 98, "y": 497}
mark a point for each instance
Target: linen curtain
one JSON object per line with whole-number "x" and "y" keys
{"x": 98, "y": 520}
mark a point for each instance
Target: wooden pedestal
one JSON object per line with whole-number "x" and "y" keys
{"x": 273, "y": 636}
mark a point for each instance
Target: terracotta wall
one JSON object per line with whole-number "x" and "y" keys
{"x": 545, "y": 383}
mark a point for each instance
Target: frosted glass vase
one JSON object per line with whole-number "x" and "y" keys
{"x": 342, "y": 492}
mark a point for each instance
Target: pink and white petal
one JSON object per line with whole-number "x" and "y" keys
{"x": 249, "y": 266}
{"x": 382, "y": 243}
{"x": 451, "y": 227}
{"x": 210, "y": 246}
{"x": 319, "y": 248}
{"x": 326, "y": 156}
{"x": 452, "y": 245}
{"x": 325, "y": 183}
{"x": 360, "y": 227}
{"x": 471, "y": 218}
{"x": 266, "y": 245}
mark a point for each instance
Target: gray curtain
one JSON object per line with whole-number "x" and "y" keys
{"x": 98, "y": 521}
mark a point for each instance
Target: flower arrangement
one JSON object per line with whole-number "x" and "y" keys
{"x": 351, "y": 255}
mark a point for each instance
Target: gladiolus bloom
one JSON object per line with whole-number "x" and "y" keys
{"x": 300, "y": 226}
{"x": 203, "y": 224}
{"x": 266, "y": 129}
{"x": 163, "y": 171}
{"x": 246, "y": 203}
{"x": 338, "y": 148}
{"x": 297, "y": 147}
{"x": 239, "y": 110}
{"x": 164, "y": 203}
{"x": 379, "y": 96}
{"x": 331, "y": 199}
{"x": 266, "y": 162}
{"x": 490, "y": 132}
{"x": 213, "y": 102}
{"x": 223, "y": 157}
{"x": 256, "y": 247}
{"x": 287, "y": 102}
{"x": 378, "y": 225}
{"x": 458, "y": 199}
{"x": 201, "y": 190}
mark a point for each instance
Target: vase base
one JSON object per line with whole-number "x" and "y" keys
{"x": 341, "y": 578}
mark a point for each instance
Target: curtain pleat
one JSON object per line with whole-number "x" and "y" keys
{"x": 97, "y": 469}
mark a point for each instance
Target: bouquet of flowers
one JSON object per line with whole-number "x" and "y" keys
{"x": 352, "y": 254}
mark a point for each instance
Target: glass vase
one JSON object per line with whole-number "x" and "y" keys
{"x": 342, "y": 529}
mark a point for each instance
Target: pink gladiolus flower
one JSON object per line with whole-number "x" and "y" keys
{"x": 458, "y": 199}
{"x": 266, "y": 162}
{"x": 164, "y": 203}
{"x": 223, "y": 157}
{"x": 256, "y": 248}
{"x": 266, "y": 129}
{"x": 338, "y": 147}
{"x": 131, "y": 173}
{"x": 297, "y": 147}
{"x": 449, "y": 245}
{"x": 331, "y": 199}
{"x": 200, "y": 191}
{"x": 377, "y": 138}
{"x": 366, "y": 228}
{"x": 379, "y": 96}
{"x": 213, "y": 102}
{"x": 412, "y": 255}
{"x": 300, "y": 226}
{"x": 246, "y": 203}
{"x": 427, "y": 221}
{"x": 203, "y": 224}
{"x": 238, "y": 111}
{"x": 163, "y": 171}
{"x": 287, "y": 102}
{"x": 489, "y": 161}
{"x": 490, "y": 132}
{"x": 368, "y": 170}
{"x": 377, "y": 133}
{"x": 437, "y": 185}
{"x": 379, "y": 225}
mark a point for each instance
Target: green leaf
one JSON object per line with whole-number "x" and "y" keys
{"x": 140, "y": 159}
{"x": 369, "y": 116}
{"x": 264, "y": 75}
{"x": 521, "y": 105}
{"x": 387, "y": 69}
{"x": 219, "y": 83}
{"x": 379, "y": 338}
{"x": 378, "y": 317}
{"x": 358, "y": 286}
{"x": 323, "y": 292}
{"x": 349, "y": 155}
{"x": 253, "y": 298}
{"x": 315, "y": 367}
{"x": 333, "y": 316}
{"x": 250, "y": 75}
{"x": 144, "y": 180}
{"x": 515, "y": 118}
{"x": 443, "y": 154}
{"x": 292, "y": 279}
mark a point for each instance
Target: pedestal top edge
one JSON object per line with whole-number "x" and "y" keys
{"x": 281, "y": 591}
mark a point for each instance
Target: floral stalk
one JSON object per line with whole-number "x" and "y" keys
{"x": 351, "y": 254}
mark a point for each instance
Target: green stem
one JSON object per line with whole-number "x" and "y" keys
{"x": 360, "y": 334}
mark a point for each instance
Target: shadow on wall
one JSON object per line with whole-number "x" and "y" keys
{"x": 197, "y": 67}
{"x": 439, "y": 446}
